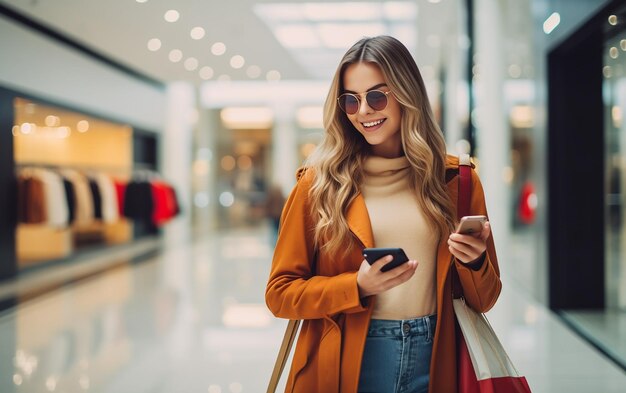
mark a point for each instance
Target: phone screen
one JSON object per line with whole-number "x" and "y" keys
{"x": 371, "y": 255}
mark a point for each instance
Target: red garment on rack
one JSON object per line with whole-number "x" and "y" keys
{"x": 120, "y": 191}
{"x": 164, "y": 203}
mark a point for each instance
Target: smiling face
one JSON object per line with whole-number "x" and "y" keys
{"x": 381, "y": 129}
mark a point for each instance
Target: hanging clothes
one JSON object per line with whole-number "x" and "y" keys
{"x": 138, "y": 201}
{"x": 54, "y": 195}
{"x": 70, "y": 197}
{"x": 97, "y": 199}
{"x": 165, "y": 203}
{"x": 110, "y": 212}
{"x": 84, "y": 199}
{"x": 120, "y": 192}
{"x": 31, "y": 206}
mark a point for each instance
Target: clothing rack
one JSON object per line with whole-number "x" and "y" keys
{"x": 141, "y": 168}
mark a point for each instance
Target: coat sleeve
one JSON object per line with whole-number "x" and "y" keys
{"x": 481, "y": 287}
{"x": 293, "y": 290}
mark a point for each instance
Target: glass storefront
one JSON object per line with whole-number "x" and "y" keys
{"x": 606, "y": 327}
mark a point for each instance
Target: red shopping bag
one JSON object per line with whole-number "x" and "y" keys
{"x": 482, "y": 364}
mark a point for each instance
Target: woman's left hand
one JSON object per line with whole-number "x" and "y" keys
{"x": 467, "y": 248}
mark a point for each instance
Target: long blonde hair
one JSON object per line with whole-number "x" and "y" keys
{"x": 338, "y": 160}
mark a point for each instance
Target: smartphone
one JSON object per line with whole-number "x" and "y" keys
{"x": 371, "y": 255}
{"x": 471, "y": 224}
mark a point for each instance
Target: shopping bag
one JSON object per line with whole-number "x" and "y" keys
{"x": 482, "y": 364}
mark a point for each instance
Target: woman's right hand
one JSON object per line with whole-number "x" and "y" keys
{"x": 371, "y": 281}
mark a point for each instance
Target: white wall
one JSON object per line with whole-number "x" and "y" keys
{"x": 36, "y": 64}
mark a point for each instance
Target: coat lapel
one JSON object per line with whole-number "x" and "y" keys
{"x": 359, "y": 221}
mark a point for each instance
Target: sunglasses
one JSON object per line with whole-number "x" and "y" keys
{"x": 350, "y": 103}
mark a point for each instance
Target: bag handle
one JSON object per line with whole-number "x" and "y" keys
{"x": 462, "y": 209}
{"x": 283, "y": 354}
{"x": 285, "y": 348}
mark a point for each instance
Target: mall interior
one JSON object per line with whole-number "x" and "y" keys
{"x": 154, "y": 135}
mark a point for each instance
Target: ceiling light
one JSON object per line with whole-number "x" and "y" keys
{"x": 551, "y": 23}
{"x": 27, "y": 128}
{"x": 63, "y": 132}
{"x": 342, "y": 36}
{"x": 400, "y": 10}
{"x": 341, "y": 11}
{"x": 154, "y": 44}
{"x": 613, "y": 52}
{"x": 297, "y": 36}
{"x": 52, "y": 121}
{"x": 253, "y": 71}
{"x": 175, "y": 55}
{"x": 247, "y": 117}
{"x": 434, "y": 1}
{"x": 613, "y": 20}
{"x": 141, "y": 1}
{"x": 273, "y": 75}
{"x": 218, "y": 48}
{"x": 622, "y": 44}
{"x": 82, "y": 126}
{"x": 206, "y": 72}
{"x": 197, "y": 33}
{"x": 191, "y": 64}
{"x": 171, "y": 16}
{"x": 237, "y": 61}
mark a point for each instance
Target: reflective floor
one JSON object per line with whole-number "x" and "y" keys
{"x": 193, "y": 319}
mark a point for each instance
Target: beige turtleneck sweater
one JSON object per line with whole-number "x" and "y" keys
{"x": 398, "y": 221}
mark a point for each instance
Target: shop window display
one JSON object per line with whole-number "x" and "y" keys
{"x": 77, "y": 185}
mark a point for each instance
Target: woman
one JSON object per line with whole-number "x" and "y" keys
{"x": 380, "y": 177}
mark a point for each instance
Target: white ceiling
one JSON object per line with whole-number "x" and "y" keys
{"x": 121, "y": 29}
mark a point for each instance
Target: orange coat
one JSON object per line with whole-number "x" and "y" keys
{"x": 330, "y": 346}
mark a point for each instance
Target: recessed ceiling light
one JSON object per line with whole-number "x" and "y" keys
{"x": 52, "y": 121}
{"x": 175, "y": 55}
{"x": 613, "y": 20}
{"x": 154, "y": 44}
{"x": 253, "y": 71}
{"x": 82, "y": 126}
{"x": 191, "y": 64}
{"x": 237, "y": 61}
{"x": 206, "y": 72}
{"x": 142, "y": 1}
{"x": 171, "y": 16}
{"x": 551, "y": 23}
{"x": 273, "y": 75}
{"x": 218, "y": 48}
{"x": 197, "y": 33}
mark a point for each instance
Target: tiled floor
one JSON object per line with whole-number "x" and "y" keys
{"x": 193, "y": 319}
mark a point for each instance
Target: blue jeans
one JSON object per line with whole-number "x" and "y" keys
{"x": 397, "y": 354}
